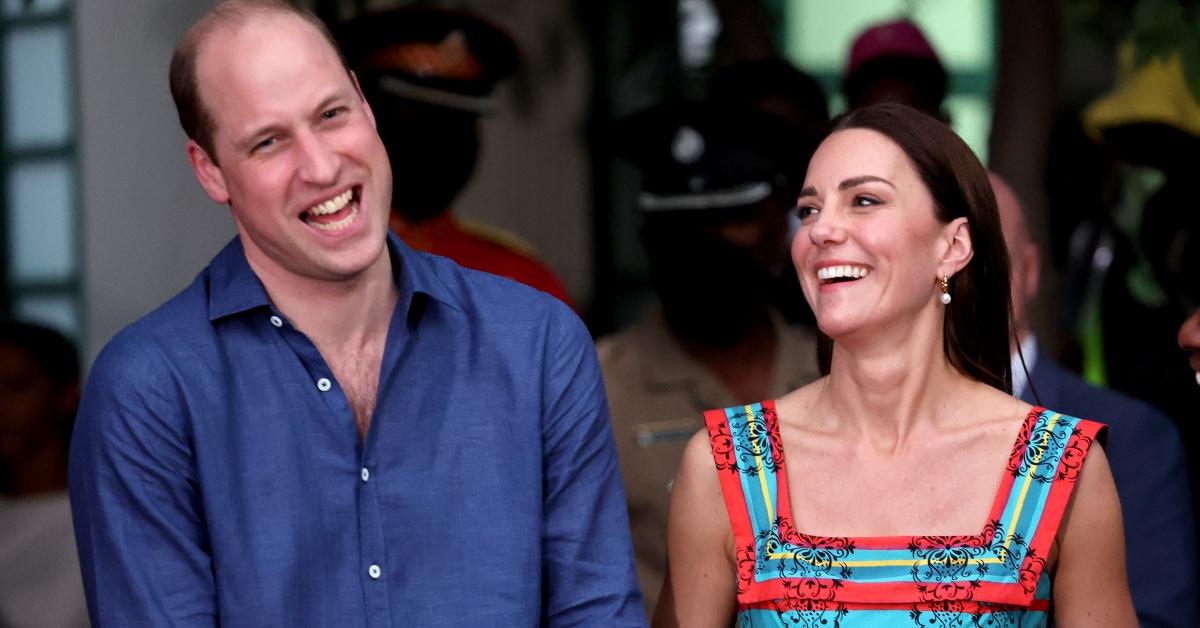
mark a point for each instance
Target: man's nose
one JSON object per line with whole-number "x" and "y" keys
{"x": 318, "y": 161}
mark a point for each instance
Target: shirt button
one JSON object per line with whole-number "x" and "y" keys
{"x": 323, "y": 385}
{"x": 366, "y": 475}
{"x": 276, "y": 321}
{"x": 373, "y": 571}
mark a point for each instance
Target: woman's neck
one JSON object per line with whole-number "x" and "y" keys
{"x": 890, "y": 388}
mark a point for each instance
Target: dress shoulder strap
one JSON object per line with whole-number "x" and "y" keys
{"x": 749, "y": 459}
{"x": 1044, "y": 466}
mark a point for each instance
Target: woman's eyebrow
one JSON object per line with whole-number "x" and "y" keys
{"x": 866, "y": 178}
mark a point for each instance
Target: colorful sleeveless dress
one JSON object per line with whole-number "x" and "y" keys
{"x": 995, "y": 578}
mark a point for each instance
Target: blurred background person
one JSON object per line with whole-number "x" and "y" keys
{"x": 1134, "y": 258}
{"x": 717, "y": 187}
{"x": 894, "y": 62}
{"x": 40, "y": 585}
{"x": 775, "y": 87}
{"x": 1189, "y": 340}
{"x": 1143, "y": 447}
{"x": 429, "y": 74}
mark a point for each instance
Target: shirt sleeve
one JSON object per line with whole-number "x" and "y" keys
{"x": 143, "y": 547}
{"x": 588, "y": 553}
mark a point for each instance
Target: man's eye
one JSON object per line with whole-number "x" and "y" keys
{"x": 332, "y": 113}
{"x": 266, "y": 143}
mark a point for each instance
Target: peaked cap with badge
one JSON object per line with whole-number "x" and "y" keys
{"x": 700, "y": 156}
{"x": 435, "y": 56}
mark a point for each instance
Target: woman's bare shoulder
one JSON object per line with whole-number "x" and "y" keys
{"x": 800, "y": 402}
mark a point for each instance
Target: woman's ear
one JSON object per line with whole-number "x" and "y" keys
{"x": 958, "y": 249}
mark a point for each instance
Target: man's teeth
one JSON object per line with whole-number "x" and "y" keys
{"x": 841, "y": 272}
{"x": 337, "y": 224}
{"x": 332, "y": 205}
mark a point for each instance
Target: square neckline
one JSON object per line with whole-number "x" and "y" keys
{"x": 1003, "y": 493}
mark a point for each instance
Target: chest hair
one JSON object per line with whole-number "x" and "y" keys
{"x": 357, "y": 372}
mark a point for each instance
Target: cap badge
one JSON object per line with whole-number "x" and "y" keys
{"x": 688, "y": 145}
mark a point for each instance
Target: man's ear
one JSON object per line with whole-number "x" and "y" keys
{"x": 208, "y": 173}
{"x": 958, "y": 247}
{"x": 1033, "y": 270}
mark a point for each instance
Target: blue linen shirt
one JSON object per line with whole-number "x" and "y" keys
{"x": 217, "y": 476}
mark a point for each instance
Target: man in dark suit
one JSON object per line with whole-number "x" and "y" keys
{"x": 1143, "y": 448}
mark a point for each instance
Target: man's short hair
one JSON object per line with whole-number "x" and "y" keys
{"x": 197, "y": 122}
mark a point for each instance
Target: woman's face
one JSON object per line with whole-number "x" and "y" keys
{"x": 1189, "y": 340}
{"x": 869, "y": 249}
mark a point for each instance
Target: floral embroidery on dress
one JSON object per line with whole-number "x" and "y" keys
{"x": 724, "y": 451}
{"x": 787, "y": 578}
{"x": 807, "y": 556}
{"x": 747, "y": 439}
{"x": 1034, "y": 452}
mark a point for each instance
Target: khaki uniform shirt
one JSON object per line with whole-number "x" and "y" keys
{"x": 657, "y": 395}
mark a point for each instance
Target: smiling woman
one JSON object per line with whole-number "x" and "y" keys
{"x": 914, "y": 486}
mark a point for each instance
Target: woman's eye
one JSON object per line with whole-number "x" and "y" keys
{"x": 806, "y": 212}
{"x": 863, "y": 200}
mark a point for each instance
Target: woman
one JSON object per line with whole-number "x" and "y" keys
{"x": 885, "y": 510}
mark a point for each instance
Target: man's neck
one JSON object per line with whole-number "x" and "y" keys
{"x": 337, "y": 313}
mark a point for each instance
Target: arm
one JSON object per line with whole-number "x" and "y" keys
{"x": 143, "y": 547}
{"x": 699, "y": 589}
{"x": 587, "y": 548}
{"x": 1090, "y": 589}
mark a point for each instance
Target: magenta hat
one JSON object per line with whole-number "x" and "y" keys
{"x": 899, "y": 38}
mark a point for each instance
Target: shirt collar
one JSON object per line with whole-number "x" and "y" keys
{"x": 233, "y": 287}
{"x": 1029, "y": 349}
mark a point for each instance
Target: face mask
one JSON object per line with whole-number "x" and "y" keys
{"x": 706, "y": 285}
{"x": 432, "y": 157}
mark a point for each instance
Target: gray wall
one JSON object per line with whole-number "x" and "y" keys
{"x": 147, "y": 226}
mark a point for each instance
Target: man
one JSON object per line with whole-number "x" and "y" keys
{"x": 39, "y": 392}
{"x": 429, "y": 75}
{"x": 774, "y": 86}
{"x": 326, "y": 428}
{"x": 714, "y": 205}
{"x": 1143, "y": 448}
{"x": 1189, "y": 341}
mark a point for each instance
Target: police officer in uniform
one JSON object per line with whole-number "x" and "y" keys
{"x": 429, "y": 74}
{"x": 717, "y": 187}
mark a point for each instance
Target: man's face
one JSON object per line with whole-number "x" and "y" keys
{"x": 296, "y": 153}
{"x": 1023, "y": 256}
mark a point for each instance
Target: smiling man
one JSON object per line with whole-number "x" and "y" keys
{"x": 327, "y": 428}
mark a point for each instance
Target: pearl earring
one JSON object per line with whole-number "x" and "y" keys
{"x": 945, "y": 281}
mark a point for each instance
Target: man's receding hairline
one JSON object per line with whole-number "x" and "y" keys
{"x": 229, "y": 18}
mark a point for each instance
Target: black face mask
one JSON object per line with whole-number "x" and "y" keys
{"x": 433, "y": 154}
{"x": 708, "y": 287}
